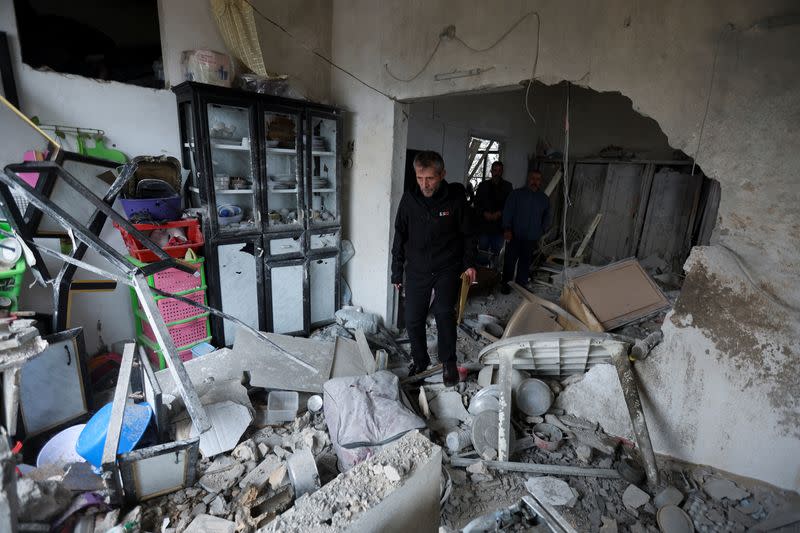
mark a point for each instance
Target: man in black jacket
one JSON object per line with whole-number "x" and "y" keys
{"x": 433, "y": 245}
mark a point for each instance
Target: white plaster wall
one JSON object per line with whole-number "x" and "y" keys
{"x": 137, "y": 120}
{"x": 659, "y": 55}
{"x": 186, "y": 25}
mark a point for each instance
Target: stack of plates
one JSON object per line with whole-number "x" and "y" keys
{"x": 319, "y": 183}
{"x": 319, "y": 144}
{"x": 281, "y": 182}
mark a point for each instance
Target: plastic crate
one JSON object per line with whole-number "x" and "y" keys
{"x": 193, "y": 235}
{"x": 173, "y": 310}
{"x": 176, "y": 281}
{"x": 156, "y": 357}
{"x": 11, "y": 279}
{"x": 183, "y": 333}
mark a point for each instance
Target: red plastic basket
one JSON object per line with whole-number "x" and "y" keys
{"x": 173, "y": 310}
{"x": 193, "y": 235}
{"x": 173, "y": 280}
{"x": 182, "y": 334}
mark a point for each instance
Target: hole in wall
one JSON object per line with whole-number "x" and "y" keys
{"x": 631, "y": 192}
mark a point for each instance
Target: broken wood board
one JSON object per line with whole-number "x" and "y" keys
{"x": 616, "y": 295}
{"x": 570, "y": 301}
{"x": 537, "y": 315}
{"x": 270, "y": 368}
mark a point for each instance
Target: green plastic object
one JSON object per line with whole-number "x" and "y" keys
{"x": 11, "y": 280}
{"x": 100, "y": 151}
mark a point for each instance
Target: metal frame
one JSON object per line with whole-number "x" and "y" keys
{"x": 132, "y": 275}
{"x": 127, "y": 461}
{"x": 197, "y": 96}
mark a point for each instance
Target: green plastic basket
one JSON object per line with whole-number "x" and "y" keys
{"x": 157, "y": 358}
{"x": 11, "y": 280}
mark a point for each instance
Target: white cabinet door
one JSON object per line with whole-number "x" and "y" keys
{"x": 51, "y": 386}
{"x": 286, "y": 286}
{"x": 323, "y": 288}
{"x": 238, "y": 286}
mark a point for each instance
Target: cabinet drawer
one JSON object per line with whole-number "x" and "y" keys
{"x": 324, "y": 240}
{"x": 286, "y": 246}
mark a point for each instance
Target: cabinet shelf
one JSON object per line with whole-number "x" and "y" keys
{"x": 284, "y": 191}
{"x": 323, "y": 153}
{"x": 282, "y": 151}
{"x": 323, "y": 190}
{"x": 234, "y": 147}
{"x": 234, "y": 191}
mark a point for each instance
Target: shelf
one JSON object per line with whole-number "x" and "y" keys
{"x": 284, "y": 191}
{"x": 323, "y": 153}
{"x": 282, "y": 151}
{"x": 323, "y": 190}
{"x": 235, "y": 147}
{"x": 234, "y": 191}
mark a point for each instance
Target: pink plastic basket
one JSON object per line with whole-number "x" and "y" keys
{"x": 160, "y": 364}
{"x": 173, "y": 310}
{"x": 173, "y": 280}
{"x": 182, "y": 334}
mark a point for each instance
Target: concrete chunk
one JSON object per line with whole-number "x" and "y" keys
{"x": 221, "y": 474}
{"x": 634, "y": 497}
{"x": 449, "y": 404}
{"x": 719, "y": 488}
{"x": 210, "y": 524}
{"x": 364, "y": 500}
{"x": 551, "y": 490}
{"x": 260, "y": 475}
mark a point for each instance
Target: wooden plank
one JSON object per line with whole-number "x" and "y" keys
{"x": 570, "y": 301}
{"x": 586, "y": 238}
{"x": 109, "y": 457}
{"x": 620, "y": 204}
{"x": 618, "y": 294}
{"x": 643, "y": 209}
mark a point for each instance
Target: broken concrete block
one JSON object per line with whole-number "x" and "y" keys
{"x": 449, "y": 404}
{"x": 361, "y": 500}
{"x": 391, "y": 473}
{"x": 245, "y": 451}
{"x": 210, "y": 524}
{"x": 719, "y": 488}
{"x": 221, "y": 474}
{"x": 259, "y": 476}
{"x": 41, "y": 501}
{"x": 478, "y": 468}
{"x": 198, "y": 509}
{"x": 634, "y": 497}
{"x": 668, "y": 496}
{"x": 229, "y": 420}
{"x": 551, "y": 490}
{"x": 277, "y": 476}
{"x": 584, "y": 452}
{"x": 609, "y": 525}
{"x": 263, "y": 449}
{"x": 218, "y": 506}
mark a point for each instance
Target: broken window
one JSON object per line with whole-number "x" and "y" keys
{"x": 481, "y": 153}
{"x": 117, "y": 41}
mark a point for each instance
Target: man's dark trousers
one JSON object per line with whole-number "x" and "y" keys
{"x": 445, "y": 285}
{"x": 518, "y": 252}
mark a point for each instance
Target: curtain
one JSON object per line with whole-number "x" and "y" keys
{"x": 237, "y": 25}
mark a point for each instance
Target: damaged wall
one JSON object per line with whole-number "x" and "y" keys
{"x": 597, "y": 120}
{"x": 660, "y": 56}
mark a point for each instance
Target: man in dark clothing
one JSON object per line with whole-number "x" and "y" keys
{"x": 526, "y": 218}
{"x": 433, "y": 245}
{"x": 489, "y": 202}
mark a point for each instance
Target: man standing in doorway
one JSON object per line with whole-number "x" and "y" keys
{"x": 433, "y": 245}
{"x": 526, "y": 217}
{"x": 489, "y": 202}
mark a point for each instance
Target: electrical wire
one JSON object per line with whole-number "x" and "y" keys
{"x": 317, "y": 54}
{"x": 708, "y": 96}
{"x": 445, "y": 35}
{"x": 535, "y": 64}
{"x": 564, "y": 182}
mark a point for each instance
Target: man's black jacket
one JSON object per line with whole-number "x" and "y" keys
{"x": 432, "y": 235}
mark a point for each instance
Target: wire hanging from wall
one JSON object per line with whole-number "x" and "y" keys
{"x": 450, "y": 33}
{"x": 565, "y": 183}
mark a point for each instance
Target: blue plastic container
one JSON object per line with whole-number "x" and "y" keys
{"x": 155, "y": 209}
{"x": 135, "y": 432}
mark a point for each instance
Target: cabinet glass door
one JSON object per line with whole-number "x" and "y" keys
{"x": 284, "y": 164}
{"x": 323, "y": 179}
{"x": 233, "y": 170}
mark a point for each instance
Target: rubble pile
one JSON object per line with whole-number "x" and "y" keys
{"x": 248, "y": 487}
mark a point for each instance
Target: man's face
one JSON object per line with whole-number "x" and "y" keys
{"x": 534, "y": 180}
{"x": 497, "y": 171}
{"x": 428, "y": 180}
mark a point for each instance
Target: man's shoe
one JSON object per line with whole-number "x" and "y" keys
{"x": 450, "y": 374}
{"x": 414, "y": 368}
{"x": 505, "y": 289}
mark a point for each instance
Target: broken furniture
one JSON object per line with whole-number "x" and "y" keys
{"x": 274, "y": 166}
{"x": 18, "y": 346}
{"x": 54, "y": 385}
{"x": 537, "y": 315}
{"x": 150, "y": 471}
{"x": 613, "y": 296}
